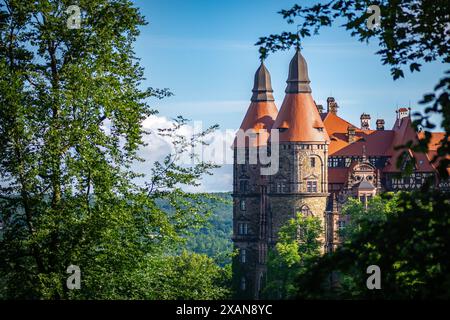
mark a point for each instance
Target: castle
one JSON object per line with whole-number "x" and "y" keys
{"x": 323, "y": 160}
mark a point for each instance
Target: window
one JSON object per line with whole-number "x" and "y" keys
{"x": 313, "y": 162}
{"x": 311, "y": 186}
{"x": 243, "y": 185}
{"x": 341, "y": 224}
{"x": 261, "y": 282}
{"x": 243, "y": 205}
{"x": 243, "y": 228}
{"x": 281, "y": 187}
{"x": 243, "y": 284}
{"x": 348, "y": 162}
{"x": 243, "y": 255}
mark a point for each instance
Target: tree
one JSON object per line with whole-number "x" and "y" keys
{"x": 360, "y": 217}
{"x": 71, "y": 110}
{"x": 298, "y": 243}
{"x": 410, "y": 33}
{"x": 410, "y": 245}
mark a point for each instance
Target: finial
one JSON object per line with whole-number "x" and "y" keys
{"x": 262, "y": 88}
{"x": 298, "y": 80}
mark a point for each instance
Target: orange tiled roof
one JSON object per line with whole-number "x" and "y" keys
{"x": 337, "y": 175}
{"x": 376, "y": 142}
{"x": 260, "y": 117}
{"x": 433, "y": 145}
{"x": 404, "y": 132}
{"x": 299, "y": 115}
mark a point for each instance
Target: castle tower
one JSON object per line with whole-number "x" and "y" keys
{"x": 250, "y": 200}
{"x": 301, "y": 184}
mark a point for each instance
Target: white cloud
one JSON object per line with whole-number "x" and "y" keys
{"x": 218, "y": 151}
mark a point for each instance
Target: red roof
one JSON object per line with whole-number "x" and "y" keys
{"x": 404, "y": 132}
{"x": 375, "y": 143}
{"x": 299, "y": 115}
{"x": 337, "y": 175}
{"x": 260, "y": 117}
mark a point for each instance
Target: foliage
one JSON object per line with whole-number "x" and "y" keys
{"x": 72, "y": 105}
{"x": 298, "y": 243}
{"x": 186, "y": 276}
{"x": 359, "y": 217}
{"x": 411, "y": 245}
{"x": 214, "y": 237}
{"x": 410, "y": 33}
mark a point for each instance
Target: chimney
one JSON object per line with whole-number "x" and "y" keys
{"x": 365, "y": 121}
{"x": 332, "y": 105}
{"x": 351, "y": 130}
{"x": 403, "y": 113}
{"x": 320, "y": 108}
{"x": 380, "y": 124}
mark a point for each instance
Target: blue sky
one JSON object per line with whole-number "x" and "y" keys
{"x": 204, "y": 52}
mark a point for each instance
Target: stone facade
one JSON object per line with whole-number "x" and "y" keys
{"x": 262, "y": 204}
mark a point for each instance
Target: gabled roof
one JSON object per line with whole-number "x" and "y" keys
{"x": 404, "y": 132}
{"x": 433, "y": 145}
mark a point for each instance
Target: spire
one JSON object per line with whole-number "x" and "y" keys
{"x": 298, "y": 80}
{"x": 298, "y": 119}
{"x": 262, "y": 88}
{"x": 262, "y": 111}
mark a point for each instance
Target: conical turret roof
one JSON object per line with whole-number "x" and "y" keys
{"x": 262, "y": 111}
{"x": 298, "y": 119}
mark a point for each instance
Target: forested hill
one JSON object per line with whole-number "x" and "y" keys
{"x": 214, "y": 238}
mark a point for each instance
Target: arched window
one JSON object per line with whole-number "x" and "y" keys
{"x": 243, "y": 185}
{"x": 243, "y": 255}
{"x": 243, "y": 205}
{"x": 261, "y": 283}
{"x": 305, "y": 211}
{"x": 243, "y": 284}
